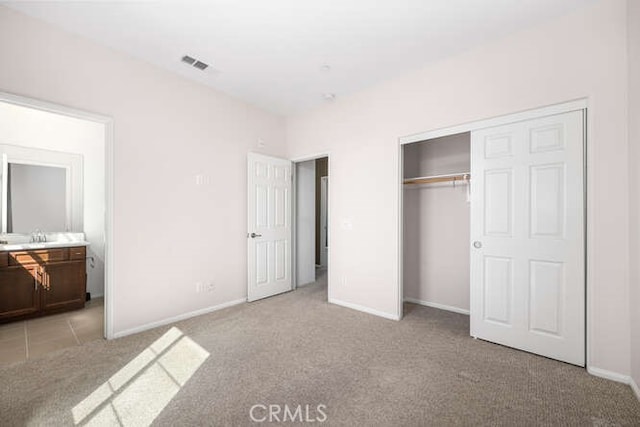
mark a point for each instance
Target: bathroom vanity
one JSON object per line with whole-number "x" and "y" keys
{"x": 41, "y": 272}
{"x": 41, "y": 279}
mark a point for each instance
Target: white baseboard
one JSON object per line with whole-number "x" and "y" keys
{"x": 363, "y": 309}
{"x": 177, "y": 318}
{"x": 304, "y": 284}
{"x": 437, "y": 305}
{"x": 609, "y": 375}
{"x": 635, "y": 388}
{"x": 614, "y": 376}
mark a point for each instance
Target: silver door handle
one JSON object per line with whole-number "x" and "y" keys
{"x": 477, "y": 244}
{"x": 254, "y": 235}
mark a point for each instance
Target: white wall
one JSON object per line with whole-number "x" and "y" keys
{"x": 634, "y": 168}
{"x": 37, "y": 198}
{"x": 32, "y": 128}
{"x": 580, "y": 55}
{"x": 436, "y": 224}
{"x": 169, "y": 233}
{"x": 305, "y": 222}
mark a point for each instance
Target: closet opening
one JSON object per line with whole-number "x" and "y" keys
{"x": 311, "y": 231}
{"x": 436, "y": 233}
{"x": 493, "y": 225}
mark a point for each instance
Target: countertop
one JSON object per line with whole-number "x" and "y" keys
{"x": 43, "y": 245}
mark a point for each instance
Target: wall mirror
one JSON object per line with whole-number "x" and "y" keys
{"x": 40, "y": 189}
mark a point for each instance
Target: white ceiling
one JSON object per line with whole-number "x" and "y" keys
{"x": 270, "y": 52}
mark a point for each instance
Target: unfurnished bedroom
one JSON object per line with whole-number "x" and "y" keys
{"x": 409, "y": 213}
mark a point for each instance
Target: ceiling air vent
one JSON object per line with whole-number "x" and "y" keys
{"x": 200, "y": 65}
{"x": 194, "y": 62}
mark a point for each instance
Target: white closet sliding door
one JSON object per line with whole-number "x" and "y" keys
{"x": 527, "y": 236}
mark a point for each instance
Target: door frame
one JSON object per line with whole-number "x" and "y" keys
{"x": 324, "y": 220}
{"x": 573, "y": 105}
{"x": 294, "y": 258}
{"x": 107, "y": 121}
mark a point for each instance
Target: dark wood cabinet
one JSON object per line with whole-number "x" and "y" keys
{"x": 63, "y": 286}
{"x": 19, "y": 295}
{"x": 40, "y": 282}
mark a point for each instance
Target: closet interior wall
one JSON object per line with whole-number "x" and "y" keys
{"x": 436, "y": 224}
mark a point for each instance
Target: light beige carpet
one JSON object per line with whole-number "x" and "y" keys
{"x": 296, "y": 349}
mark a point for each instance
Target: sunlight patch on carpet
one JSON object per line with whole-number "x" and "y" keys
{"x": 137, "y": 393}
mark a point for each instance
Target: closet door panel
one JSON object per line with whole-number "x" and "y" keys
{"x": 497, "y": 146}
{"x": 498, "y": 283}
{"x": 498, "y": 207}
{"x": 547, "y": 200}
{"x": 527, "y": 210}
{"x": 546, "y": 285}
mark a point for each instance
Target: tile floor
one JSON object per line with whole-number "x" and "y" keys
{"x": 30, "y": 339}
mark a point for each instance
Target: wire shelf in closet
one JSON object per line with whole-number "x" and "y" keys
{"x": 454, "y": 177}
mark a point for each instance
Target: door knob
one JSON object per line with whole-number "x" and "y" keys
{"x": 254, "y": 235}
{"x": 477, "y": 244}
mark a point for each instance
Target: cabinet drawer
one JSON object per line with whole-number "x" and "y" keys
{"x": 38, "y": 257}
{"x": 77, "y": 253}
{"x": 4, "y": 259}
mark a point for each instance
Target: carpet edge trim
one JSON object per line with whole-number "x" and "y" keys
{"x": 177, "y": 318}
{"x": 437, "y": 305}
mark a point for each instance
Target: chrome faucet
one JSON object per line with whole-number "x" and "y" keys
{"x": 38, "y": 236}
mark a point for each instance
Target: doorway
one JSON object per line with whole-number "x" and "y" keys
{"x": 522, "y": 245}
{"x": 44, "y": 140}
{"x": 311, "y": 208}
{"x": 287, "y": 224}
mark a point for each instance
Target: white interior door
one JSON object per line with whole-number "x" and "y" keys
{"x": 527, "y": 235}
{"x": 269, "y": 226}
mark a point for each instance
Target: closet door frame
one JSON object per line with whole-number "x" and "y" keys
{"x": 575, "y": 105}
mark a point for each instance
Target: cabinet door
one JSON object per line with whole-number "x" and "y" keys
{"x": 64, "y": 286}
{"x": 19, "y": 292}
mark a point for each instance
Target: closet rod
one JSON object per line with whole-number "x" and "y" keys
{"x": 438, "y": 178}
